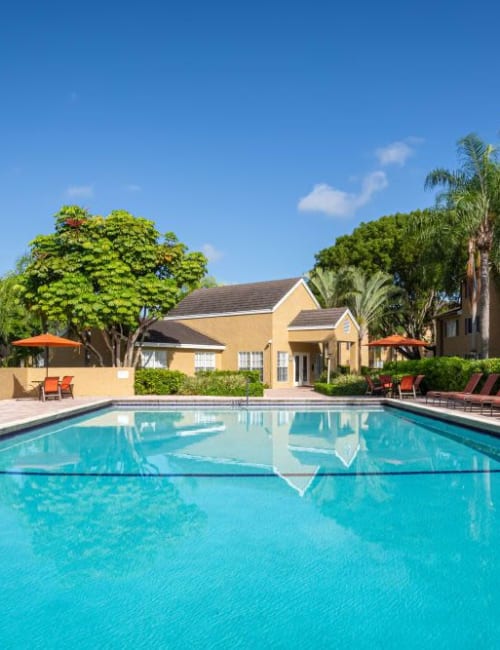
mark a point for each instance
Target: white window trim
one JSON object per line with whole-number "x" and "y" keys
{"x": 200, "y": 361}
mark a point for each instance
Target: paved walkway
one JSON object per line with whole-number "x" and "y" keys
{"x": 299, "y": 393}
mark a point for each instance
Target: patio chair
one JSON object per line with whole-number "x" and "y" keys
{"x": 66, "y": 386}
{"x": 440, "y": 395}
{"x": 417, "y": 386}
{"x": 50, "y": 388}
{"x": 386, "y": 381}
{"x": 372, "y": 388}
{"x": 406, "y": 387}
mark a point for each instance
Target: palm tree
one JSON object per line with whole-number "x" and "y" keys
{"x": 332, "y": 286}
{"x": 369, "y": 298}
{"x": 472, "y": 198}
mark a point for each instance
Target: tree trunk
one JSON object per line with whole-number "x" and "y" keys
{"x": 484, "y": 303}
{"x": 472, "y": 291}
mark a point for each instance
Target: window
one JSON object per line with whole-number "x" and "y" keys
{"x": 451, "y": 328}
{"x": 282, "y": 366}
{"x": 468, "y": 325}
{"x": 251, "y": 361}
{"x": 204, "y": 361}
{"x": 154, "y": 358}
{"x": 347, "y": 326}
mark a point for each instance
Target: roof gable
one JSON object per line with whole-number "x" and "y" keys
{"x": 253, "y": 297}
{"x": 176, "y": 334}
{"x": 321, "y": 318}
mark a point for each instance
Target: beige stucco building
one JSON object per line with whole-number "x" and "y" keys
{"x": 454, "y": 331}
{"x": 275, "y": 327}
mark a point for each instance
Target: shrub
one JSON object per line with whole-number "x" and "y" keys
{"x": 152, "y": 381}
{"x": 323, "y": 378}
{"x": 342, "y": 386}
{"x": 224, "y": 382}
{"x": 149, "y": 381}
{"x": 442, "y": 373}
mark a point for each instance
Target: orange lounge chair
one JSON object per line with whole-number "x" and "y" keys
{"x": 482, "y": 401}
{"x": 485, "y": 391}
{"x": 50, "y": 388}
{"x": 492, "y": 402}
{"x": 438, "y": 395}
{"x": 66, "y": 386}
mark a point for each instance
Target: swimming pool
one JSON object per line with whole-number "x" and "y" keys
{"x": 250, "y": 528}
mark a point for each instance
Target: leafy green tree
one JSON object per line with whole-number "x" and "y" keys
{"x": 209, "y": 281}
{"x": 388, "y": 245}
{"x": 369, "y": 297}
{"x": 113, "y": 273}
{"x": 16, "y": 321}
{"x": 471, "y": 197}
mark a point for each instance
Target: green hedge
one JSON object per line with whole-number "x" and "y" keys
{"x": 149, "y": 381}
{"x": 224, "y": 382}
{"x": 442, "y": 373}
{"x": 342, "y": 386}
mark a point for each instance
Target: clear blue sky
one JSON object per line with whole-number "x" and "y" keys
{"x": 257, "y": 131}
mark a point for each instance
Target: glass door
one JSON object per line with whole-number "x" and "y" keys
{"x": 300, "y": 369}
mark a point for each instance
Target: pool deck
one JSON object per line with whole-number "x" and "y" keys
{"x": 19, "y": 414}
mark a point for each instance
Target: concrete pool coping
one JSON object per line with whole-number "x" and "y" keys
{"x": 22, "y": 414}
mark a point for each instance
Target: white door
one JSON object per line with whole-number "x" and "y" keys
{"x": 300, "y": 369}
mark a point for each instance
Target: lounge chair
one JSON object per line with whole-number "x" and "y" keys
{"x": 493, "y": 401}
{"x": 406, "y": 387}
{"x": 50, "y": 388}
{"x": 66, "y": 386}
{"x": 440, "y": 395}
{"x": 486, "y": 390}
{"x": 482, "y": 399}
{"x": 372, "y": 388}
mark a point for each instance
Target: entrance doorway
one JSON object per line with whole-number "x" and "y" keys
{"x": 300, "y": 369}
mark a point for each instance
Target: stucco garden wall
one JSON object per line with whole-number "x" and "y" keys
{"x": 88, "y": 382}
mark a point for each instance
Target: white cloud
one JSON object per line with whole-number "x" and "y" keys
{"x": 211, "y": 253}
{"x": 80, "y": 191}
{"x": 337, "y": 203}
{"x": 132, "y": 187}
{"x": 396, "y": 153}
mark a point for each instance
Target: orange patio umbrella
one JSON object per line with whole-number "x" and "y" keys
{"x": 47, "y": 341}
{"x": 397, "y": 341}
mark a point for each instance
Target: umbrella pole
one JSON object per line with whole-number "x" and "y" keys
{"x": 46, "y": 361}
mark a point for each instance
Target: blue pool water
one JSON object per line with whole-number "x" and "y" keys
{"x": 364, "y": 528}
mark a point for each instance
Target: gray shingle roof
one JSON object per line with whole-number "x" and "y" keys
{"x": 230, "y": 299}
{"x": 172, "y": 333}
{"x": 318, "y": 317}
